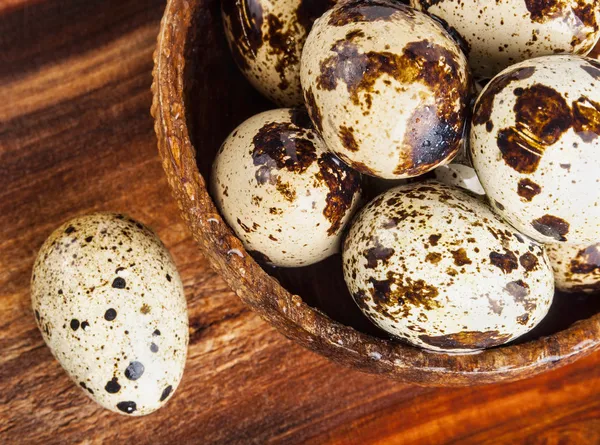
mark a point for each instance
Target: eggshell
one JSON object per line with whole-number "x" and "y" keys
{"x": 497, "y": 34}
{"x": 110, "y": 305}
{"x": 535, "y": 144}
{"x": 386, "y": 87}
{"x": 266, "y": 39}
{"x": 433, "y": 265}
{"x": 459, "y": 175}
{"x": 284, "y": 196}
{"x": 576, "y": 268}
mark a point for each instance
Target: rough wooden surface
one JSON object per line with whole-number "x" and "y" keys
{"x": 76, "y": 136}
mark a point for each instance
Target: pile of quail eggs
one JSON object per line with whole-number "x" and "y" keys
{"x": 478, "y": 122}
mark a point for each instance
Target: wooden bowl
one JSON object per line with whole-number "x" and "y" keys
{"x": 199, "y": 97}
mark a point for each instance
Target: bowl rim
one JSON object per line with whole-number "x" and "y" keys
{"x": 288, "y": 313}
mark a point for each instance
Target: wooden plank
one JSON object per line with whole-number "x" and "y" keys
{"x": 76, "y": 136}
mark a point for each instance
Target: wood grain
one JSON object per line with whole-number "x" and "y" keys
{"x": 76, "y": 136}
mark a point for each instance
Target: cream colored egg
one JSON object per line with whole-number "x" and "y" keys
{"x": 576, "y": 268}
{"x": 535, "y": 140}
{"x": 110, "y": 305}
{"x": 266, "y": 39}
{"x": 433, "y": 265}
{"x": 283, "y": 195}
{"x": 497, "y": 34}
{"x": 386, "y": 87}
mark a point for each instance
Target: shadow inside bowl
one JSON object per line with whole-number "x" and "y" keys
{"x": 219, "y": 98}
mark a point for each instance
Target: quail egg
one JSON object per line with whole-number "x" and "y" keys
{"x": 386, "y": 87}
{"x": 576, "y": 268}
{"x": 497, "y": 34}
{"x": 284, "y": 196}
{"x": 110, "y": 305}
{"x": 535, "y": 139}
{"x": 266, "y": 39}
{"x": 433, "y": 265}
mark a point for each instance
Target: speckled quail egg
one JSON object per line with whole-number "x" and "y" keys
{"x": 576, "y": 268}
{"x": 535, "y": 139}
{"x": 386, "y": 87}
{"x": 284, "y": 196}
{"x": 435, "y": 266}
{"x": 110, "y": 305}
{"x": 497, "y": 34}
{"x": 266, "y": 39}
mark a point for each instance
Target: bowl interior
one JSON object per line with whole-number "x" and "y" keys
{"x": 218, "y": 99}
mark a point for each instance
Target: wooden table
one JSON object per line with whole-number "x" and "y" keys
{"x": 76, "y": 136}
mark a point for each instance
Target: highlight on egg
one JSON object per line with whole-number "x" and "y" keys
{"x": 109, "y": 303}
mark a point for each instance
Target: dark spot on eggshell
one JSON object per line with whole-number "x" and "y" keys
{"x": 153, "y": 347}
{"x": 499, "y": 205}
{"x": 127, "y": 407}
{"x": 506, "y": 261}
{"x": 523, "y": 319}
{"x": 433, "y": 239}
{"x": 377, "y": 254}
{"x": 37, "y": 315}
{"x": 529, "y": 261}
{"x": 84, "y": 386}
{"x": 397, "y": 290}
{"x": 166, "y": 393}
{"x": 551, "y": 226}
{"x": 110, "y": 314}
{"x": 119, "y": 283}
{"x": 466, "y": 340}
{"x": 527, "y": 189}
{"x": 365, "y": 11}
{"x": 484, "y": 107}
{"x": 279, "y": 44}
{"x": 542, "y": 116}
{"x": 112, "y": 386}
{"x": 74, "y": 324}
{"x": 85, "y": 325}
{"x": 587, "y": 261}
{"x": 281, "y": 145}
{"x": 346, "y": 135}
{"x": 246, "y": 18}
{"x": 433, "y": 257}
{"x": 134, "y": 371}
{"x": 313, "y": 109}
{"x": 156, "y": 333}
{"x": 145, "y": 309}
{"x": 89, "y": 239}
{"x": 586, "y": 118}
{"x": 168, "y": 278}
{"x": 69, "y": 230}
{"x": 460, "y": 257}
